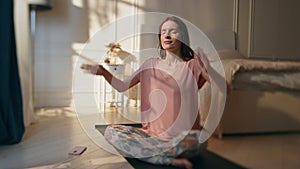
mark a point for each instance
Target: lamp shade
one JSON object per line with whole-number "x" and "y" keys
{"x": 40, "y": 4}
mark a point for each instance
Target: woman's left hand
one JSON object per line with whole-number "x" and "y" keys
{"x": 204, "y": 63}
{"x": 202, "y": 58}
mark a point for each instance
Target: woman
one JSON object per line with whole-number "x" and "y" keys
{"x": 169, "y": 106}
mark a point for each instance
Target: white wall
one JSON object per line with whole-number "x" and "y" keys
{"x": 56, "y": 31}
{"x": 23, "y": 43}
{"x": 205, "y": 14}
{"x": 210, "y": 16}
{"x": 66, "y": 25}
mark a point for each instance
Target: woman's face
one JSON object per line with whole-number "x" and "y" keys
{"x": 170, "y": 36}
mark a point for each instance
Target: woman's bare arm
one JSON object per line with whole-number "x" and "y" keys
{"x": 208, "y": 72}
{"x": 116, "y": 83}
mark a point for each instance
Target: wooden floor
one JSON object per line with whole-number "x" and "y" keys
{"x": 47, "y": 142}
{"x": 46, "y": 145}
{"x": 276, "y": 151}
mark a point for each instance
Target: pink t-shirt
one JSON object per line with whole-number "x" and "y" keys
{"x": 169, "y": 102}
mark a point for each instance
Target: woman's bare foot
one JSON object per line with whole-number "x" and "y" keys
{"x": 182, "y": 162}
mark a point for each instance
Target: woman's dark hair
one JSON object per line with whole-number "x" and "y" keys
{"x": 186, "y": 52}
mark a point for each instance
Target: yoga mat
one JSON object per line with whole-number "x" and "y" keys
{"x": 204, "y": 159}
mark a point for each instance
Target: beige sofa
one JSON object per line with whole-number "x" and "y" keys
{"x": 263, "y": 96}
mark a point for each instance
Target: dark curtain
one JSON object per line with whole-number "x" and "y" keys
{"x": 11, "y": 111}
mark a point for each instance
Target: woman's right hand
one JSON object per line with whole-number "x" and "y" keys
{"x": 92, "y": 69}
